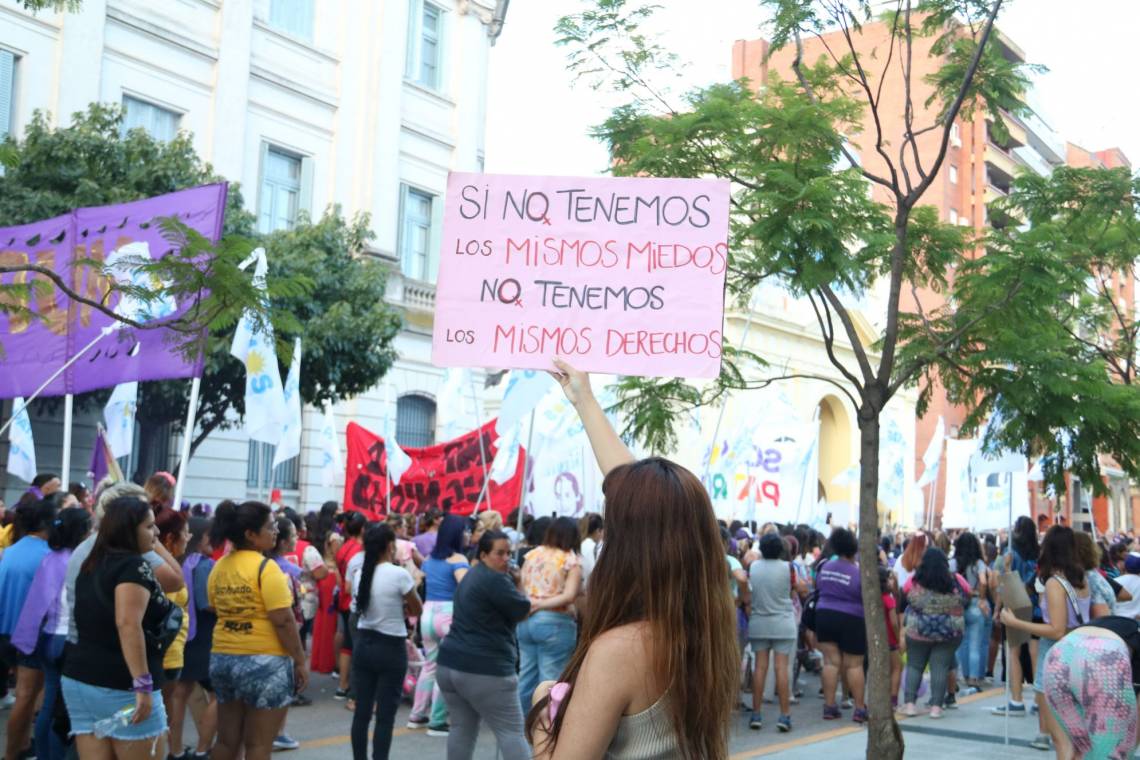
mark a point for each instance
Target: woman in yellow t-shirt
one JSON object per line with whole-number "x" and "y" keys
{"x": 257, "y": 663}
{"x": 174, "y": 533}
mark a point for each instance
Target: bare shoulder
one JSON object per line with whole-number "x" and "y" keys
{"x": 624, "y": 649}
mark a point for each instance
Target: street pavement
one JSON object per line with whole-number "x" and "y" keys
{"x": 969, "y": 731}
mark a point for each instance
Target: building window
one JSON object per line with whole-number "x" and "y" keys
{"x": 416, "y": 233}
{"x": 953, "y": 216}
{"x": 415, "y": 421}
{"x": 293, "y": 17}
{"x": 259, "y": 471}
{"x": 425, "y": 44}
{"x": 158, "y": 122}
{"x": 953, "y": 175}
{"x": 955, "y": 135}
{"x": 7, "y": 92}
{"x": 280, "y": 190}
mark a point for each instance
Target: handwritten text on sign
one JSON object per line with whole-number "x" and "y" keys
{"x": 616, "y": 275}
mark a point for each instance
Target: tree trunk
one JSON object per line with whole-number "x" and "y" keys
{"x": 884, "y": 739}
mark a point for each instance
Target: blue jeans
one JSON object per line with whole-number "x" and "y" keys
{"x": 974, "y": 649}
{"x": 48, "y": 744}
{"x": 546, "y": 641}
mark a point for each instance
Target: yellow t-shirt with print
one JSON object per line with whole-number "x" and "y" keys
{"x": 6, "y": 534}
{"x": 242, "y": 600}
{"x": 175, "y": 655}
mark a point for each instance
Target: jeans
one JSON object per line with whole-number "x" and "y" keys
{"x": 471, "y": 697}
{"x": 546, "y": 641}
{"x": 940, "y": 656}
{"x": 48, "y": 744}
{"x": 378, "y": 666}
{"x": 434, "y": 626}
{"x": 975, "y": 646}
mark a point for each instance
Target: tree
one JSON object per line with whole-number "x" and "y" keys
{"x": 55, "y": 5}
{"x": 320, "y": 286}
{"x": 88, "y": 164}
{"x": 803, "y": 219}
{"x": 1059, "y": 361}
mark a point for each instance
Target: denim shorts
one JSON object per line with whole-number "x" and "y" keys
{"x": 262, "y": 681}
{"x": 777, "y": 646}
{"x": 87, "y": 704}
{"x": 1043, "y": 647}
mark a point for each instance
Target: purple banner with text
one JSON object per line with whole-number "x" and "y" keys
{"x": 35, "y": 347}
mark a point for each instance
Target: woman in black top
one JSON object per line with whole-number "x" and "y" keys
{"x": 115, "y": 666}
{"x": 477, "y": 673}
{"x": 1090, "y": 683}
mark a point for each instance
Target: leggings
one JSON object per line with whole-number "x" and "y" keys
{"x": 379, "y": 662}
{"x": 434, "y": 625}
{"x": 1087, "y": 681}
{"x": 940, "y": 655}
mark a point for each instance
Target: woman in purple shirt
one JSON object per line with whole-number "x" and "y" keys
{"x": 839, "y": 624}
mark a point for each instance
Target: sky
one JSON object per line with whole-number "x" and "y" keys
{"x": 538, "y": 119}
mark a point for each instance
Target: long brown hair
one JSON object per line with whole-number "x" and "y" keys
{"x": 912, "y": 555}
{"x": 663, "y": 564}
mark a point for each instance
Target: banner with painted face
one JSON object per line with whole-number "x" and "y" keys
{"x": 449, "y": 476}
{"x": 35, "y": 347}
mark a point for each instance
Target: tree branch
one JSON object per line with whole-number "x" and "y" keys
{"x": 797, "y": 66}
{"x": 852, "y": 333}
{"x": 827, "y": 329}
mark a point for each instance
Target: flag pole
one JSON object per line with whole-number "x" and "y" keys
{"x": 526, "y": 470}
{"x": 723, "y": 406}
{"x": 50, "y": 380}
{"x": 68, "y": 419}
{"x": 187, "y": 437}
{"x": 482, "y": 449}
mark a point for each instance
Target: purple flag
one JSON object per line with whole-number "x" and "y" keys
{"x": 98, "y": 468}
{"x": 36, "y": 348}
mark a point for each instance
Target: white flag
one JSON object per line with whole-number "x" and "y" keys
{"x": 119, "y": 415}
{"x": 933, "y": 456}
{"x": 398, "y": 459}
{"x": 506, "y": 461}
{"x": 290, "y": 444}
{"x": 21, "y": 447}
{"x": 525, "y": 389}
{"x": 455, "y": 405}
{"x": 264, "y": 396}
{"x": 329, "y": 448}
{"x": 989, "y": 460}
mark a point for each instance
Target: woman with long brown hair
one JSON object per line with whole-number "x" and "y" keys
{"x": 652, "y": 674}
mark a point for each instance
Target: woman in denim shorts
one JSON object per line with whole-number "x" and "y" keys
{"x": 257, "y": 663}
{"x": 115, "y": 666}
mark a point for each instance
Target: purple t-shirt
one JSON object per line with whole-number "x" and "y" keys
{"x": 839, "y": 588}
{"x": 425, "y": 542}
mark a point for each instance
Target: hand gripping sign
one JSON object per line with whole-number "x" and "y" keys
{"x": 615, "y": 275}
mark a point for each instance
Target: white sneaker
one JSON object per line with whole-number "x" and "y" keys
{"x": 7, "y": 702}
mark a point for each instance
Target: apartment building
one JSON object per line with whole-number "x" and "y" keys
{"x": 367, "y": 104}
{"x": 978, "y": 169}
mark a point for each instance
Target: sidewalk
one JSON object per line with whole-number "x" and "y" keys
{"x": 969, "y": 731}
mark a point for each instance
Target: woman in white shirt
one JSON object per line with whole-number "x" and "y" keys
{"x": 592, "y": 527}
{"x": 383, "y": 593}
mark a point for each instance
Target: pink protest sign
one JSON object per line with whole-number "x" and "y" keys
{"x": 615, "y": 275}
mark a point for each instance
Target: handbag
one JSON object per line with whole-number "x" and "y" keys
{"x": 808, "y": 618}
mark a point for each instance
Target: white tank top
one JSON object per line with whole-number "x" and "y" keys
{"x": 647, "y": 735}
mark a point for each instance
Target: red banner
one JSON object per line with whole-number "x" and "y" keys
{"x": 448, "y": 476}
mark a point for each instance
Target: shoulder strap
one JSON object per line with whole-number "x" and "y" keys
{"x": 260, "y": 570}
{"x": 1072, "y": 594}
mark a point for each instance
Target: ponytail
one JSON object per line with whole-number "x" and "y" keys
{"x": 378, "y": 538}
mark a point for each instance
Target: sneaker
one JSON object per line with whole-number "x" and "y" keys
{"x": 1042, "y": 742}
{"x": 285, "y": 742}
{"x": 970, "y": 690}
{"x": 847, "y": 704}
{"x": 935, "y": 712}
{"x": 910, "y": 710}
{"x": 341, "y": 694}
{"x": 1033, "y": 708}
{"x": 443, "y": 729}
{"x": 300, "y": 700}
{"x": 417, "y": 722}
{"x": 755, "y": 722}
{"x": 831, "y": 712}
{"x": 8, "y": 700}
{"x": 951, "y": 702}
{"x": 177, "y": 757}
{"x": 784, "y": 724}
{"x": 860, "y": 715}
{"x": 1014, "y": 710}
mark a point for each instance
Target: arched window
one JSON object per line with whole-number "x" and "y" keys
{"x": 415, "y": 421}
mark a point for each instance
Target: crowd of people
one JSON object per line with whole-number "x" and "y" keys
{"x": 628, "y": 636}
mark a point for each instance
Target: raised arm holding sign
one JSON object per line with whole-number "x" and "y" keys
{"x": 622, "y": 275}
